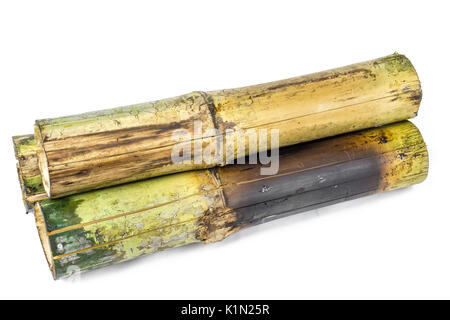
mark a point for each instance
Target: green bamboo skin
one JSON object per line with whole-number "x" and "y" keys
{"x": 25, "y": 148}
{"x": 99, "y": 149}
{"x": 116, "y": 224}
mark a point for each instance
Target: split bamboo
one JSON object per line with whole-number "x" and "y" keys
{"x": 116, "y": 224}
{"x": 99, "y": 149}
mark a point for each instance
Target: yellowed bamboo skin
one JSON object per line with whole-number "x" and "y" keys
{"x": 105, "y": 148}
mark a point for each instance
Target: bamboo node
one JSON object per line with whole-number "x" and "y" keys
{"x": 216, "y": 225}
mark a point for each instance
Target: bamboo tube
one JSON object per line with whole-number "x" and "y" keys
{"x": 25, "y": 148}
{"x": 103, "y": 227}
{"x": 104, "y": 148}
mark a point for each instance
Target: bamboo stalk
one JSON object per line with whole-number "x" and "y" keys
{"x": 104, "y": 148}
{"x": 116, "y": 224}
{"x": 25, "y": 148}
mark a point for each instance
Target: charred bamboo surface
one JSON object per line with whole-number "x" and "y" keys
{"x": 103, "y": 227}
{"x": 25, "y": 148}
{"x": 110, "y": 147}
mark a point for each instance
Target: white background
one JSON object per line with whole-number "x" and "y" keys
{"x": 64, "y": 57}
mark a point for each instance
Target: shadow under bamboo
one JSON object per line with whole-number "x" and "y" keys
{"x": 116, "y": 224}
{"x": 98, "y": 149}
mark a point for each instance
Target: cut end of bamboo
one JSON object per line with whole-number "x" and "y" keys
{"x": 25, "y": 149}
{"x": 42, "y": 160}
{"x": 43, "y": 167}
{"x": 43, "y": 236}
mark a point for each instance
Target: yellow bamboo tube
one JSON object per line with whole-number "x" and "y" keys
{"x": 105, "y": 148}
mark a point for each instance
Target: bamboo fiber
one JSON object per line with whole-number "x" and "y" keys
{"x": 105, "y": 148}
{"x": 103, "y": 227}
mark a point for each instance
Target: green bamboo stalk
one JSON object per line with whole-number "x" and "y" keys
{"x": 116, "y": 224}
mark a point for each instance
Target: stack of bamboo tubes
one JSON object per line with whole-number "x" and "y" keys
{"x": 104, "y": 188}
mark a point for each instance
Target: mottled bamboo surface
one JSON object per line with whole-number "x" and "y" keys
{"x": 104, "y": 148}
{"x": 102, "y": 227}
{"x": 25, "y": 148}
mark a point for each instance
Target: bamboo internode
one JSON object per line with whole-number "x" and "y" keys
{"x": 99, "y": 149}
